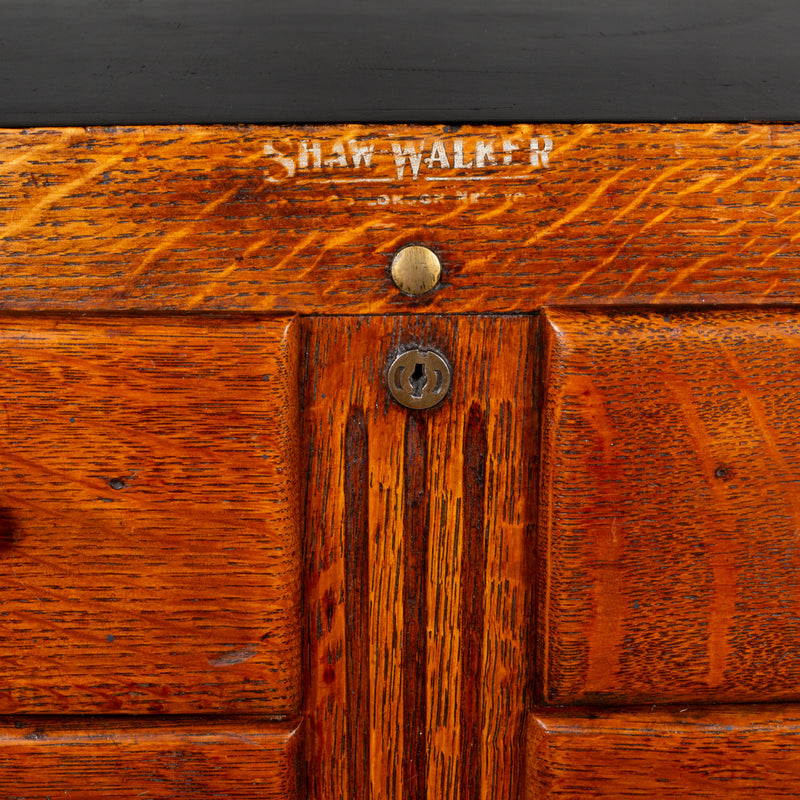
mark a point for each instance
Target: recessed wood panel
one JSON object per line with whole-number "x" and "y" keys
{"x": 306, "y": 219}
{"x": 95, "y": 759}
{"x": 669, "y": 561}
{"x": 671, "y": 753}
{"x": 418, "y": 546}
{"x": 149, "y": 538}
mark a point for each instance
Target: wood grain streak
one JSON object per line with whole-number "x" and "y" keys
{"x": 473, "y": 587}
{"x": 415, "y": 606}
{"x": 356, "y": 487}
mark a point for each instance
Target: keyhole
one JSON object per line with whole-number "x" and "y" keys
{"x": 418, "y": 380}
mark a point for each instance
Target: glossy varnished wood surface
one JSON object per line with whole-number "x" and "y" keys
{"x": 150, "y": 516}
{"x": 668, "y": 558}
{"x": 96, "y": 758}
{"x": 149, "y": 538}
{"x": 418, "y": 544}
{"x": 670, "y": 753}
{"x": 201, "y": 218}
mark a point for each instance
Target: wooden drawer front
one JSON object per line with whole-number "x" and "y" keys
{"x": 149, "y": 553}
{"x": 669, "y": 562}
{"x": 175, "y": 758}
{"x": 173, "y": 218}
{"x": 714, "y": 753}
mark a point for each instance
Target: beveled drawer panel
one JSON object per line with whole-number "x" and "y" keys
{"x": 149, "y": 538}
{"x": 669, "y": 544}
{"x": 711, "y": 753}
{"x": 130, "y": 758}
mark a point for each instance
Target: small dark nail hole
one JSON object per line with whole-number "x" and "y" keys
{"x": 723, "y": 473}
{"x": 8, "y": 529}
{"x": 116, "y": 483}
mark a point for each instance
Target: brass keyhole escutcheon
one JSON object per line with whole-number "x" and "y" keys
{"x": 419, "y": 379}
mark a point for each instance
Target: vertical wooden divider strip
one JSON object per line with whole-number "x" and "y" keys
{"x": 418, "y": 544}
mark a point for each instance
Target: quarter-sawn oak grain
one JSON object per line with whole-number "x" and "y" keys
{"x": 712, "y": 753}
{"x": 149, "y": 508}
{"x": 668, "y": 551}
{"x": 149, "y": 532}
{"x": 201, "y": 218}
{"x": 177, "y": 758}
{"x": 422, "y": 632}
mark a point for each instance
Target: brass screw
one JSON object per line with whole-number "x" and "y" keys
{"x": 416, "y": 269}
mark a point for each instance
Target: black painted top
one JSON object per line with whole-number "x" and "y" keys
{"x": 88, "y": 62}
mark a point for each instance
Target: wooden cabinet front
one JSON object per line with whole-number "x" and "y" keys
{"x": 234, "y": 566}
